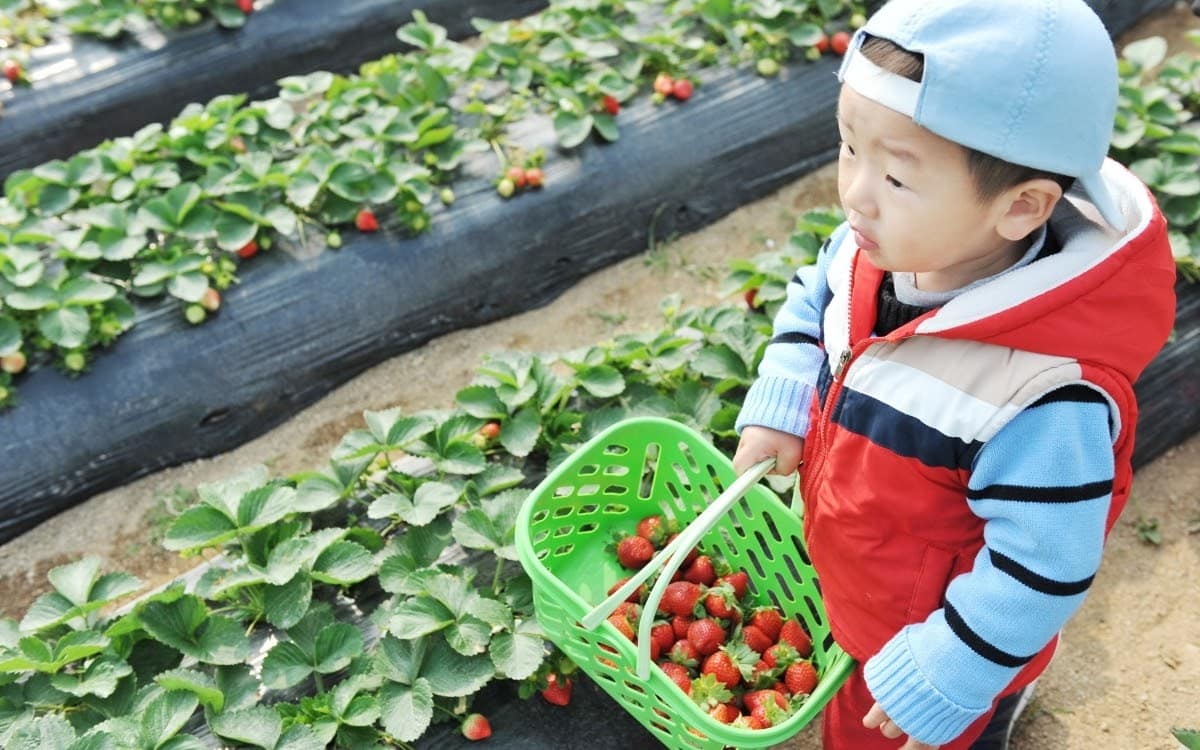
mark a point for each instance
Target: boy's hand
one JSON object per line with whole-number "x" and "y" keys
{"x": 877, "y": 719}
{"x": 759, "y": 443}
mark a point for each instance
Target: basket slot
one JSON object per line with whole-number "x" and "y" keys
{"x": 587, "y": 510}
{"x": 587, "y": 470}
{"x": 685, "y": 479}
{"x": 616, "y": 489}
{"x": 784, "y": 588}
{"x": 616, "y": 509}
{"x": 791, "y": 564}
{"x": 686, "y": 451}
{"x": 566, "y": 549}
{"x": 814, "y": 611}
{"x": 588, "y": 489}
{"x": 800, "y": 551}
{"x": 563, "y": 531}
{"x": 540, "y": 536}
{"x": 563, "y": 491}
{"x": 616, "y": 470}
{"x": 649, "y": 472}
{"x": 563, "y": 511}
{"x": 771, "y": 527}
{"x": 588, "y": 528}
{"x": 615, "y": 449}
{"x": 766, "y": 548}
{"x": 758, "y": 568}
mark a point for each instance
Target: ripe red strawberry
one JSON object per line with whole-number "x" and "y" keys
{"x": 749, "y": 722}
{"x": 621, "y": 623}
{"x": 245, "y": 6}
{"x": 769, "y": 621}
{"x": 822, "y": 44}
{"x": 211, "y": 300}
{"x": 664, "y": 635}
{"x": 638, "y": 594}
{"x": 800, "y": 678}
{"x": 793, "y": 634}
{"x": 611, "y": 105}
{"x": 684, "y": 654}
{"x": 756, "y": 639}
{"x": 722, "y": 667}
{"x": 780, "y": 655}
{"x": 518, "y": 176}
{"x": 13, "y": 363}
{"x": 679, "y": 624}
{"x": 12, "y": 70}
{"x": 629, "y": 610}
{"x": 701, "y": 571}
{"x": 476, "y": 727}
{"x": 247, "y": 251}
{"x": 654, "y": 529}
{"x": 751, "y": 297}
{"x": 755, "y": 698}
{"x": 634, "y": 552}
{"x": 534, "y": 177}
{"x": 682, "y": 90}
{"x": 556, "y": 692}
{"x": 365, "y": 221}
{"x": 839, "y": 42}
{"x": 680, "y": 598}
{"x": 738, "y": 580}
{"x": 706, "y": 635}
{"x": 678, "y": 674}
{"x": 720, "y": 603}
{"x": 491, "y": 431}
{"x": 664, "y": 84}
{"x": 724, "y": 712}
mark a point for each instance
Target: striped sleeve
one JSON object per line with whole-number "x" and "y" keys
{"x": 1043, "y": 486}
{"x": 787, "y": 375}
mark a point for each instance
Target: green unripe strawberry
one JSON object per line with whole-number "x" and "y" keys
{"x": 505, "y": 188}
{"x": 333, "y": 240}
{"x": 4, "y": 394}
{"x": 75, "y": 361}
{"x": 767, "y": 67}
{"x": 857, "y": 21}
{"x": 447, "y": 196}
{"x": 812, "y": 54}
{"x": 195, "y": 314}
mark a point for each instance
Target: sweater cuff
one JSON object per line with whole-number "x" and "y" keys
{"x": 910, "y": 700}
{"x": 779, "y": 403}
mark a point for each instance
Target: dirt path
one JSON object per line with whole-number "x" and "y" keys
{"x": 1130, "y": 667}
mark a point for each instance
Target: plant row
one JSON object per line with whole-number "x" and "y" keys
{"x": 383, "y": 588}
{"x": 172, "y": 211}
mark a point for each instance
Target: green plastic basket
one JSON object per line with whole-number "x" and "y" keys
{"x": 637, "y": 468}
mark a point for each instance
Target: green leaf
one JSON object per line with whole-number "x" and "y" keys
{"x": 198, "y": 683}
{"x": 264, "y": 506}
{"x": 571, "y": 128}
{"x": 460, "y": 458}
{"x": 78, "y": 645}
{"x": 497, "y": 477}
{"x": 344, "y": 563}
{"x": 81, "y": 291}
{"x": 602, "y": 381}
{"x": 100, "y": 678}
{"x": 186, "y": 626}
{"x": 406, "y": 709}
{"x": 720, "y": 362}
{"x": 413, "y": 618}
{"x": 51, "y": 732}
{"x": 233, "y": 231}
{"x": 400, "y": 660}
{"x": 492, "y": 526}
{"x": 337, "y": 645}
{"x": 285, "y": 665}
{"x": 199, "y": 527}
{"x": 1189, "y": 738}
{"x": 519, "y": 653}
{"x": 453, "y": 674}
{"x": 481, "y": 401}
{"x": 67, "y": 327}
{"x": 164, "y": 716}
{"x": 259, "y": 726}
{"x": 10, "y": 336}
{"x": 1147, "y": 53}
{"x": 285, "y": 605}
{"x": 519, "y": 435}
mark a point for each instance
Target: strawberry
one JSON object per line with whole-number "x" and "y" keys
{"x": 720, "y": 603}
{"x": 634, "y": 552}
{"x": 812, "y": 54}
{"x": 682, "y": 90}
{"x": 365, "y": 221}
{"x": 755, "y": 698}
{"x": 505, "y": 188}
{"x": 822, "y": 44}
{"x": 793, "y": 634}
{"x": 12, "y": 70}
{"x": 756, "y": 639}
{"x": 780, "y": 655}
{"x": 800, "y": 678}
{"x": 839, "y": 42}
{"x": 13, "y": 363}
{"x": 701, "y": 571}
{"x": 517, "y": 176}
{"x": 679, "y": 624}
{"x": 770, "y": 713}
{"x": 194, "y": 314}
{"x": 211, "y": 300}
{"x": 769, "y": 621}
{"x": 491, "y": 431}
{"x": 664, "y": 84}
{"x": 622, "y": 624}
{"x": 680, "y": 598}
{"x": 706, "y": 635}
{"x": 629, "y": 610}
{"x": 247, "y": 7}
{"x": 237, "y": 144}
{"x": 739, "y": 581}
{"x": 247, "y": 251}
{"x": 684, "y": 653}
{"x": 724, "y": 712}
{"x": 664, "y": 635}
{"x": 749, "y": 722}
{"x": 653, "y": 529}
{"x": 611, "y": 105}
{"x": 722, "y": 667}
{"x": 558, "y": 693}
{"x": 767, "y": 67}
{"x": 333, "y": 240}
{"x": 638, "y": 594}
{"x": 678, "y": 674}
{"x": 751, "y": 297}
{"x": 857, "y": 21}
{"x": 475, "y": 727}
{"x": 534, "y": 177}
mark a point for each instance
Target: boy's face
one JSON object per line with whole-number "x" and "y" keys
{"x": 911, "y": 202}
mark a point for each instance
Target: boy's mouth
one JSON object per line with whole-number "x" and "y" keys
{"x": 864, "y": 241}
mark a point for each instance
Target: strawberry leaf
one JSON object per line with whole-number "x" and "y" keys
{"x": 198, "y": 683}
{"x": 518, "y": 653}
{"x": 164, "y": 716}
{"x": 343, "y": 563}
{"x": 186, "y": 626}
{"x": 519, "y": 435}
{"x": 259, "y": 726}
{"x": 100, "y": 678}
{"x": 407, "y": 710}
{"x": 492, "y": 526}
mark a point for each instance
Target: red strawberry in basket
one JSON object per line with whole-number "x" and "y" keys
{"x": 679, "y": 598}
{"x": 684, "y": 654}
{"x": 706, "y": 636}
{"x": 622, "y": 624}
{"x": 793, "y": 634}
{"x": 724, "y": 712}
{"x": 678, "y": 674}
{"x": 738, "y": 580}
{"x": 680, "y": 623}
{"x": 701, "y": 571}
{"x": 800, "y": 678}
{"x": 557, "y": 692}
{"x": 769, "y": 621}
{"x": 720, "y": 603}
{"x": 721, "y": 666}
{"x": 664, "y": 635}
{"x": 689, "y": 558}
{"x": 780, "y": 655}
{"x": 756, "y": 639}
{"x": 634, "y": 552}
{"x": 653, "y": 529}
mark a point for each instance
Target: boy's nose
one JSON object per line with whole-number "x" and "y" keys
{"x": 856, "y": 197}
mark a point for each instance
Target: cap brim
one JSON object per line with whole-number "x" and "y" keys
{"x": 1097, "y": 192}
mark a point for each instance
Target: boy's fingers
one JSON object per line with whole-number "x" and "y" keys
{"x": 874, "y": 717}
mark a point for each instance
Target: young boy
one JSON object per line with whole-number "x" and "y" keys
{"x": 953, "y": 376}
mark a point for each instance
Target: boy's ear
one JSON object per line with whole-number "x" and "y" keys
{"x": 1029, "y": 206}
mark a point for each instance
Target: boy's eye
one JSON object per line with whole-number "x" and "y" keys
{"x": 894, "y": 182}
{"x": 848, "y": 147}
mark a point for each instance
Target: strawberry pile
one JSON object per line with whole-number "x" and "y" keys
{"x": 745, "y": 665}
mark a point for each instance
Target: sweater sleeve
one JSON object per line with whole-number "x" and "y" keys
{"x": 787, "y": 375}
{"x": 1043, "y": 486}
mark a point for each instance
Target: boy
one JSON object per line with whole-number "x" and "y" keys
{"x": 953, "y": 376}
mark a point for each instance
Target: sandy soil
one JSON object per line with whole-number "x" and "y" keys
{"x": 1130, "y": 666}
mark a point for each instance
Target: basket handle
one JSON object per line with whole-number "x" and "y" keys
{"x": 669, "y": 561}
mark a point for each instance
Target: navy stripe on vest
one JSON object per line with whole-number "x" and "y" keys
{"x": 793, "y": 337}
{"x": 960, "y": 628}
{"x": 824, "y": 380}
{"x": 1036, "y": 581}
{"x": 901, "y": 433}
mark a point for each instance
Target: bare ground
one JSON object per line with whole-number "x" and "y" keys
{"x": 1128, "y": 671}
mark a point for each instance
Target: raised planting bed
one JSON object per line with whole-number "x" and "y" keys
{"x": 306, "y": 320}
{"x": 86, "y": 90}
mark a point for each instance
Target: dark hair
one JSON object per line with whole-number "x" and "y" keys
{"x": 992, "y": 176}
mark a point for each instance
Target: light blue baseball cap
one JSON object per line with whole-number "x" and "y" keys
{"x": 1032, "y": 82}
